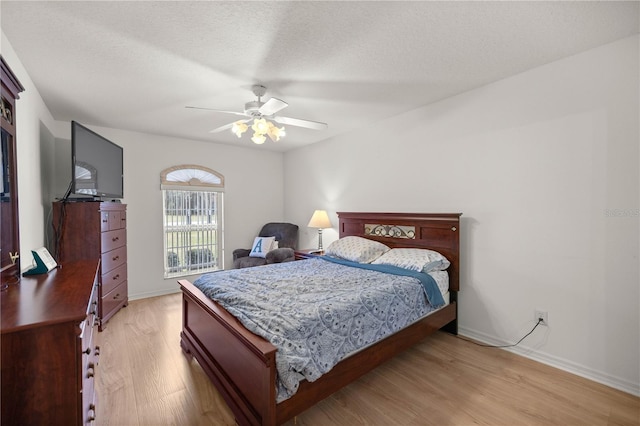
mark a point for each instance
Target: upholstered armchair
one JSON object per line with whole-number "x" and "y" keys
{"x": 286, "y": 234}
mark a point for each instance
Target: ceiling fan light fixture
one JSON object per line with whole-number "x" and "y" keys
{"x": 275, "y": 133}
{"x": 238, "y": 128}
{"x": 258, "y": 138}
{"x": 261, "y": 129}
{"x": 260, "y": 126}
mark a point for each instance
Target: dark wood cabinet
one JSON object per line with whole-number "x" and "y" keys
{"x": 96, "y": 230}
{"x": 9, "y": 231}
{"x": 49, "y": 351}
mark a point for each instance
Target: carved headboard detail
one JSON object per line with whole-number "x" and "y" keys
{"x": 435, "y": 231}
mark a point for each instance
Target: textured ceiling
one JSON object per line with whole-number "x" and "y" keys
{"x": 136, "y": 65}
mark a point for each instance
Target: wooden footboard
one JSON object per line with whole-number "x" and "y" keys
{"x": 240, "y": 364}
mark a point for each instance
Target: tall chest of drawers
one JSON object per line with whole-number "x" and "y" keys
{"x": 49, "y": 347}
{"x": 96, "y": 230}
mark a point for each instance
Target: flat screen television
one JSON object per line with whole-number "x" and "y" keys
{"x": 96, "y": 165}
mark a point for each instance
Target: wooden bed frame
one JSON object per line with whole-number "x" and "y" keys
{"x": 242, "y": 366}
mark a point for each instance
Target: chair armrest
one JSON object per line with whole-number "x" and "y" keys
{"x": 280, "y": 255}
{"x": 238, "y": 253}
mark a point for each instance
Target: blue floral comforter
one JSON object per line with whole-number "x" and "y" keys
{"x": 317, "y": 312}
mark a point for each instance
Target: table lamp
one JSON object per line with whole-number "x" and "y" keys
{"x": 320, "y": 220}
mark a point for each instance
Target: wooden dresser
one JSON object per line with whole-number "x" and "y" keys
{"x": 49, "y": 351}
{"x": 96, "y": 230}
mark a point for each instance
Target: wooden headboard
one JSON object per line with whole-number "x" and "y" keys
{"x": 435, "y": 231}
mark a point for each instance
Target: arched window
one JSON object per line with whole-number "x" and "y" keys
{"x": 192, "y": 210}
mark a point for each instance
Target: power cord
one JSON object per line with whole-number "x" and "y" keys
{"x": 540, "y": 321}
{"x": 58, "y": 231}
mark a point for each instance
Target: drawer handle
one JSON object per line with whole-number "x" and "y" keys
{"x": 87, "y": 351}
{"x": 91, "y": 413}
{"x": 115, "y": 258}
{"x": 115, "y": 239}
{"x": 116, "y": 296}
{"x": 90, "y": 370}
{"x": 116, "y": 277}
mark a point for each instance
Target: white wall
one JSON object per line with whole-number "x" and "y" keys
{"x": 35, "y": 144}
{"x": 537, "y": 163}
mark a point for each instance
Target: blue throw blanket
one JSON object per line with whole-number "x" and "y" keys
{"x": 428, "y": 283}
{"x": 317, "y": 312}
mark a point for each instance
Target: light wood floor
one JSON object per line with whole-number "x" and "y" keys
{"x": 143, "y": 379}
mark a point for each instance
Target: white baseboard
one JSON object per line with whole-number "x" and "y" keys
{"x": 557, "y": 362}
{"x": 154, "y": 293}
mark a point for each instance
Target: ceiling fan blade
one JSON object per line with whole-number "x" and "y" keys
{"x": 316, "y": 125}
{"x": 218, "y": 110}
{"x": 222, "y": 128}
{"x": 228, "y": 126}
{"x": 272, "y": 106}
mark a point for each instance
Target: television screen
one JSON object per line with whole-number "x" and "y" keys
{"x": 97, "y": 167}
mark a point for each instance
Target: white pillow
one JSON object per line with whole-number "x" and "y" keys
{"x": 262, "y": 246}
{"x": 421, "y": 260}
{"x": 356, "y": 249}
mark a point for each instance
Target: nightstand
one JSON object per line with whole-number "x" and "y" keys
{"x": 308, "y": 253}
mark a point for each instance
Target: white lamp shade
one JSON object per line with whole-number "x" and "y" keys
{"x": 320, "y": 219}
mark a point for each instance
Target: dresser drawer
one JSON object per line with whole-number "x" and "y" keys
{"x": 111, "y": 220}
{"x": 113, "y": 259}
{"x": 113, "y": 300}
{"x": 104, "y": 221}
{"x": 89, "y": 402}
{"x": 122, "y": 218}
{"x": 87, "y": 326}
{"x": 89, "y": 355}
{"x": 89, "y": 365}
{"x": 87, "y": 337}
{"x": 113, "y": 239}
{"x": 113, "y": 278}
{"x": 92, "y": 306}
{"x": 114, "y": 221}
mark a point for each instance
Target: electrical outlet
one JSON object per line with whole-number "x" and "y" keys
{"x": 542, "y": 315}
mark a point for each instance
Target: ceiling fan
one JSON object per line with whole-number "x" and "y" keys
{"x": 262, "y": 114}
